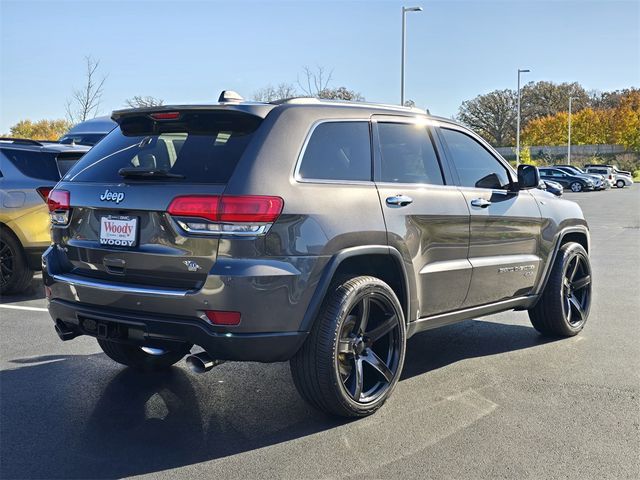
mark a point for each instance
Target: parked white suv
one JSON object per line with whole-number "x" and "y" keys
{"x": 618, "y": 178}
{"x": 604, "y": 170}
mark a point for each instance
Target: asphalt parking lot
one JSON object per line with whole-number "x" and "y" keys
{"x": 484, "y": 398}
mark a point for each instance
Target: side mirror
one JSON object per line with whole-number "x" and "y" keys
{"x": 528, "y": 177}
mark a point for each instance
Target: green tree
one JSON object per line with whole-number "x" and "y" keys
{"x": 543, "y": 99}
{"x": 340, "y": 93}
{"x": 492, "y": 115}
{"x": 40, "y": 130}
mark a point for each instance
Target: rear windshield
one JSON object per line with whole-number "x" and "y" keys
{"x": 89, "y": 139}
{"x": 199, "y": 147}
{"x": 34, "y": 164}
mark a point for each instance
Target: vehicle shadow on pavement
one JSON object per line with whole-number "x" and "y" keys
{"x": 82, "y": 416}
{"x": 35, "y": 291}
{"x": 439, "y": 347}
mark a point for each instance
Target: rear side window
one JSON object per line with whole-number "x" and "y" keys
{"x": 408, "y": 155}
{"x": 40, "y": 165}
{"x": 199, "y": 147}
{"x": 476, "y": 167}
{"x": 338, "y": 151}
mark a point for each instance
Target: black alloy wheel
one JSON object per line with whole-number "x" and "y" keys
{"x": 7, "y": 260}
{"x": 576, "y": 290}
{"x": 563, "y": 308}
{"x": 369, "y": 348}
{"x": 352, "y": 359}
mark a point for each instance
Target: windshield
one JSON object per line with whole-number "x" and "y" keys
{"x": 199, "y": 148}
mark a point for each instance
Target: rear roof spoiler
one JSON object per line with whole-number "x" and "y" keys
{"x": 255, "y": 109}
{"x": 24, "y": 141}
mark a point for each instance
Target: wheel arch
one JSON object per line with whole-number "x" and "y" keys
{"x": 381, "y": 261}
{"x": 578, "y": 234}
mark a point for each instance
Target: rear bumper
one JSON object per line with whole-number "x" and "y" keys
{"x": 163, "y": 331}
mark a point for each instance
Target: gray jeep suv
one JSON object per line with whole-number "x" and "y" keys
{"x": 318, "y": 232}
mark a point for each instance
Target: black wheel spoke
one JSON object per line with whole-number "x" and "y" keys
{"x": 571, "y": 272}
{"x": 581, "y": 283}
{"x": 355, "y": 381}
{"x": 376, "y": 362}
{"x": 575, "y": 304}
{"x": 365, "y": 306}
{"x": 381, "y": 330}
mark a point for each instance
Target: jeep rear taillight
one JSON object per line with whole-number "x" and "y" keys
{"x": 243, "y": 215}
{"x": 44, "y": 192}
{"x": 59, "y": 203}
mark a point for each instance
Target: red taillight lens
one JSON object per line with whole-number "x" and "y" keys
{"x": 250, "y": 209}
{"x": 44, "y": 192}
{"x": 165, "y": 115}
{"x": 217, "y": 317}
{"x": 59, "y": 203}
{"x": 58, "y": 200}
{"x": 228, "y": 209}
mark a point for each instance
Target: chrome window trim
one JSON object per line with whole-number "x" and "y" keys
{"x": 296, "y": 171}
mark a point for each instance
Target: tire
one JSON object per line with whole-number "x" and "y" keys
{"x": 342, "y": 370}
{"x": 15, "y": 274}
{"x": 563, "y": 308}
{"x": 134, "y": 357}
{"x": 620, "y": 184}
{"x": 576, "y": 187}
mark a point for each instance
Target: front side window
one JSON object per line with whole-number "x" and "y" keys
{"x": 476, "y": 167}
{"x": 338, "y": 151}
{"x": 408, "y": 155}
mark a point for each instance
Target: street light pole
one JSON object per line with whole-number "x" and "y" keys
{"x": 518, "y": 120}
{"x": 404, "y": 29}
{"x": 569, "y": 136}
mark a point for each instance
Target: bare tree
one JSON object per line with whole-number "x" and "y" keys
{"x": 314, "y": 81}
{"x": 279, "y": 92}
{"x": 85, "y": 102}
{"x": 138, "y": 101}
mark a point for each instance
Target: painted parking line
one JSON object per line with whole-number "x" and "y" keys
{"x": 20, "y": 307}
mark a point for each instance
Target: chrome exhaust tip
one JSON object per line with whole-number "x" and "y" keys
{"x": 202, "y": 362}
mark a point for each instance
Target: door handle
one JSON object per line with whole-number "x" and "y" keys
{"x": 399, "y": 200}
{"x": 480, "y": 202}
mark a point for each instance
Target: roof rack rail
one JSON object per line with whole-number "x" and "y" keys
{"x": 320, "y": 101}
{"x": 24, "y": 141}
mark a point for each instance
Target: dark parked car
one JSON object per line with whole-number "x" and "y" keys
{"x": 551, "y": 187}
{"x": 599, "y": 181}
{"x": 88, "y": 132}
{"x": 319, "y": 232}
{"x": 574, "y": 182}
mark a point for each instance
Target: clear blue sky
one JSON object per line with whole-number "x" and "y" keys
{"x": 185, "y": 51}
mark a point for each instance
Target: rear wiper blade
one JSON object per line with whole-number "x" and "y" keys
{"x": 147, "y": 173}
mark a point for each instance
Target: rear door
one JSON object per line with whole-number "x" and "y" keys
{"x": 426, "y": 215}
{"x": 505, "y": 224}
{"x": 119, "y": 230}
